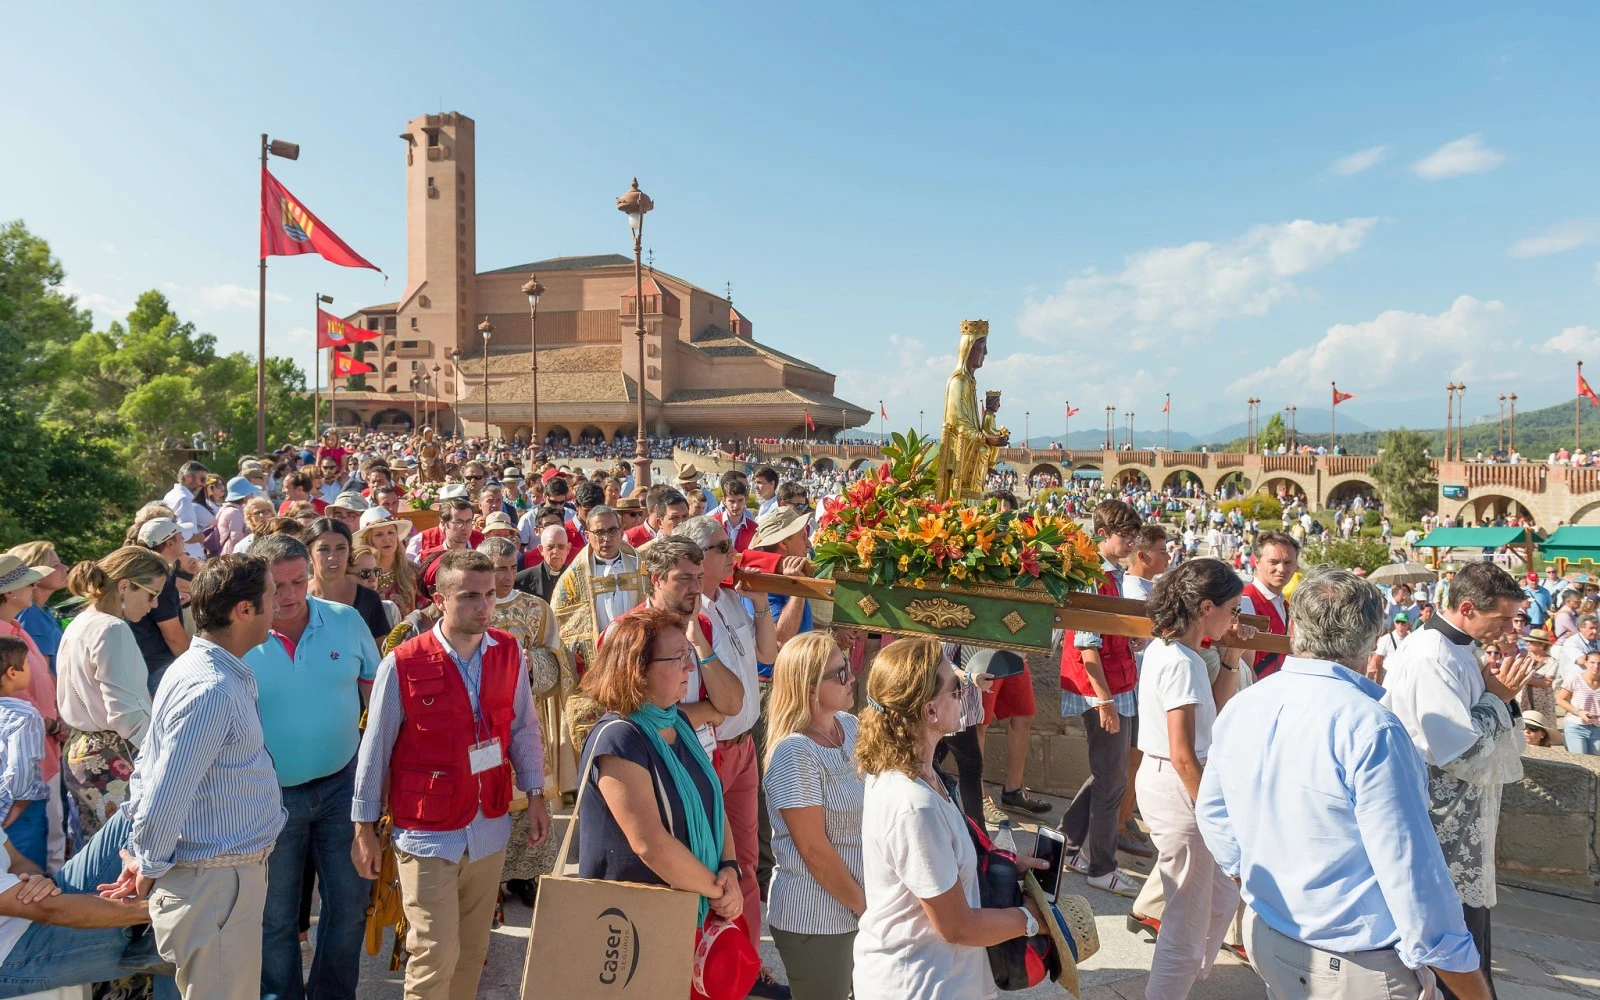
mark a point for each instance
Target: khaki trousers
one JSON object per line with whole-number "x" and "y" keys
{"x": 207, "y": 922}
{"x": 1200, "y": 900}
{"x": 450, "y": 907}
{"x": 1293, "y": 970}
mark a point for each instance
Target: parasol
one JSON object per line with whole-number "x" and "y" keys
{"x": 1407, "y": 572}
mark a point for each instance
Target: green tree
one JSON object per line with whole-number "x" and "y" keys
{"x": 1401, "y": 473}
{"x": 59, "y": 485}
{"x": 1366, "y": 553}
{"x": 1273, "y": 433}
{"x": 38, "y": 321}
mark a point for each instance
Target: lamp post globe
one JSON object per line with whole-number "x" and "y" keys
{"x": 487, "y": 329}
{"x": 532, "y": 289}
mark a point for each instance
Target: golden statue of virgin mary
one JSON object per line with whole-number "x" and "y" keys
{"x": 963, "y": 444}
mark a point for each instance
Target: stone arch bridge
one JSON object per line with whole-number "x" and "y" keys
{"x": 1324, "y": 480}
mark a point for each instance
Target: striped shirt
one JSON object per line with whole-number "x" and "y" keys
{"x": 804, "y": 773}
{"x": 204, "y": 784}
{"x": 22, "y": 744}
{"x": 483, "y": 836}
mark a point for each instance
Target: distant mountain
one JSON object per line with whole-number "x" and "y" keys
{"x": 1089, "y": 440}
{"x": 1306, "y": 420}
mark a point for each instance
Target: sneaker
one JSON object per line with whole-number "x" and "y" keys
{"x": 1117, "y": 881}
{"x": 1137, "y": 848}
{"x": 992, "y": 814}
{"x": 769, "y": 988}
{"x": 1078, "y": 862}
{"x": 1019, "y": 799}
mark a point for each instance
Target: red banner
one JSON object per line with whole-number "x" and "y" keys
{"x": 809, "y": 425}
{"x": 288, "y": 228}
{"x": 1072, "y": 411}
{"x": 1585, "y": 392}
{"x": 344, "y": 364}
{"x": 1339, "y": 397}
{"x": 335, "y": 332}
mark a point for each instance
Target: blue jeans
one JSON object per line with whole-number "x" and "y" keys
{"x": 48, "y": 957}
{"x": 318, "y": 825}
{"x": 1582, "y": 739}
{"x": 30, "y": 832}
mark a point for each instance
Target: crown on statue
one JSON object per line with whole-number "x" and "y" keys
{"x": 977, "y": 327}
{"x": 992, "y": 394}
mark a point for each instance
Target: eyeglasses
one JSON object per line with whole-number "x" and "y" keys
{"x": 722, "y": 546}
{"x": 367, "y": 574}
{"x": 605, "y": 532}
{"x": 461, "y": 520}
{"x": 153, "y": 593}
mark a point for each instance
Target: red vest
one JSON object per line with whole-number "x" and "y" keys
{"x": 740, "y": 535}
{"x": 1266, "y": 664}
{"x": 1116, "y": 659}
{"x": 431, "y": 784}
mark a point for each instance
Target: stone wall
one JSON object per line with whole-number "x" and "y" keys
{"x": 1549, "y": 822}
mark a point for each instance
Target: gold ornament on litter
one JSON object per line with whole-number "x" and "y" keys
{"x": 868, "y": 606}
{"x": 940, "y": 613}
{"x": 1014, "y": 622}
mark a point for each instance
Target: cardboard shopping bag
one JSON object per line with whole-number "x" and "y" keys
{"x": 592, "y": 938}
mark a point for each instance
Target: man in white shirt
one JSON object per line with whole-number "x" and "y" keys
{"x": 740, "y": 640}
{"x": 193, "y": 517}
{"x": 765, "y": 482}
{"x": 1454, "y": 709}
{"x": 1585, "y": 639}
{"x": 1388, "y": 644}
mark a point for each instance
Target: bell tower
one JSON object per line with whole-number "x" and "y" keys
{"x": 441, "y": 241}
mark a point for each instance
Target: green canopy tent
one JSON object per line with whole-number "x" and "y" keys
{"x": 1488, "y": 539}
{"x": 1572, "y": 543}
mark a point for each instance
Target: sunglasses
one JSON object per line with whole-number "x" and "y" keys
{"x": 474, "y": 479}
{"x": 842, "y": 675}
{"x": 153, "y": 593}
{"x": 367, "y": 574}
{"x": 722, "y": 546}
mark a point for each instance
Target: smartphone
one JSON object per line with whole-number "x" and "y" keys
{"x": 1050, "y": 847}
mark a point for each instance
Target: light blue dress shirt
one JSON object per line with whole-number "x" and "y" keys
{"x": 483, "y": 836}
{"x": 1316, "y": 799}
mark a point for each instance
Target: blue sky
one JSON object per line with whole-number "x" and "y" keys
{"x": 1141, "y": 199}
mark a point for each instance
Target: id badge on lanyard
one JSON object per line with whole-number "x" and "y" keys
{"x": 485, "y": 756}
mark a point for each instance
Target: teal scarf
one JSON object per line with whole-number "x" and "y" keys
{"x": 705, "y": 832}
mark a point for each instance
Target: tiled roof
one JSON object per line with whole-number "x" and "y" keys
{"x": 587, "y": 358}
{"x": 566, "y": 387}
{"x": 718, "y": 342}
{"x": 565, "y": 264}
{"x": 767, "y": 396}
{"x": 381, "y": 307}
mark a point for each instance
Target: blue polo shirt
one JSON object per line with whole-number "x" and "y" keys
{"x": 309, "y": 702}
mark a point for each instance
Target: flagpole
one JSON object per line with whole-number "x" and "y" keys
{"x": 1333, "y": 438}
{"x": 882, "y": 418}
{"x": 1066, "y": 421}
{"x": 261, "y": 334}
{"x": 316, "y": 362}
{"x": 1577, "y": 414}
{"x": 1168, "y": 411}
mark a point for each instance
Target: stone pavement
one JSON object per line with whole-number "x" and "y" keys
{"x": 1546, "y": 948}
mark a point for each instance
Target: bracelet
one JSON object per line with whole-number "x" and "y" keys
{"x": 1103, "y": 702}
{"x": 707, "y": 660}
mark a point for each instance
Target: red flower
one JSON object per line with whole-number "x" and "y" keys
{"x": 1030, "y": 560}
{"x": 120, "y": 768}
{"x": 883, "y": 473}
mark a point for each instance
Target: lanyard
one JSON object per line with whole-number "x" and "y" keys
{"x": 733, "y": 635}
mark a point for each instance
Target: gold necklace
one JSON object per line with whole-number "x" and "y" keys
{"x": 831, "y": 742}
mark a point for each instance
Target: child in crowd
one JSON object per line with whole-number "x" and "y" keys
{"x": 23, "y": 793}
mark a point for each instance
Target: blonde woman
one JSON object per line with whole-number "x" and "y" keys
{"x": 814, "y": 796}
{"x": 924, "y": 931}
{"x": 258, "y": 513}
{"x": 101, "y": 679}
{"x": 397, "y": 577}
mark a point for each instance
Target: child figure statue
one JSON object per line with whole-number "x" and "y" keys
{"x": 991, "y": 406}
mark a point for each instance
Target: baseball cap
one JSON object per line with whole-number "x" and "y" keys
{"x": 157, "y": 531}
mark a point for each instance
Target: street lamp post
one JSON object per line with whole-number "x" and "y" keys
{"x": 433, "y": 390}
{"x": 919, "y": 423}
{"x": 316, "y": 354}
{"x": 1130, "y": 430}
{"x": 455, "y": 392}
{"x": 1111, "y": 444}
{"x": 1294, "y": 436}
{"x": 1511, "y": 431}
{"x": 1449, "y": 416}
{"x": 1026, "y": 436}
{"x": 487, "y": 329}
{"x": 1461, "y": 417}
{"x": 532, "y": 289}
{"x": 634, "y": 204}
{"x": 1500, "y": 429}
{"x": 415, "y": 423}
{"x": 288, "y": 151}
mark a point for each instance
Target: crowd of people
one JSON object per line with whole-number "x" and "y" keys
{"x": 398, "y": 660}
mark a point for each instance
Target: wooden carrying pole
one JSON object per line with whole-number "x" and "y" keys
{"x": 1084, "y": 612}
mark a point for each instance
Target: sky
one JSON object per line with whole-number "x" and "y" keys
{"x": 1212, "y": 201}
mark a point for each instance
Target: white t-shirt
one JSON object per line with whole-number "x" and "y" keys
{"x": 1173, "y": 676}
{"x": 915, "y": 846}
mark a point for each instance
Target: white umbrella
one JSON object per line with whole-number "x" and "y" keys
{"x": 1407, "y": 572}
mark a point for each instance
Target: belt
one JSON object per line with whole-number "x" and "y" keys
{"x": 227, "y": 860}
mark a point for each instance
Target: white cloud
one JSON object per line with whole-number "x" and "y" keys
{"x": 1467, "y": 155}
{"x": 1191, "y": 287}
{"x": 1583, "y": 341}
{"x": 1366, "y": 159}
{"x": 104, "y": 307}
{"x": 229, "y": 296}
{"x": 1557, "y": 239}
{"x": 1397, "y": 350}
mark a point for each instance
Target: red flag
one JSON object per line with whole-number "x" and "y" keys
{"x": 1167, "y": 406}
{"x": 1339, "y": 397}
{"x": 344, "y": 364}
{"x": 882, "y": 411}
{"x": 809, "y": 425}
{"x": 1585, "y": 392}
{"x": 335, "y": 332}
{"x": 288, "y": 228}
{"x": 1072, "y": 411}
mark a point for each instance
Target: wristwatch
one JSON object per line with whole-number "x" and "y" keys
{"x": 1033, "y": 922}
{"x": 738, "y": 872}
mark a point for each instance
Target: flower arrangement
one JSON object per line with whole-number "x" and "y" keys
{"x": 423, "y": 495}
{"x": 892, "y": 528}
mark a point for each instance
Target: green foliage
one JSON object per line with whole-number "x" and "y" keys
{"x": 61, "y": 486}
{"x": 38, "y": 322}
{"x": 1262, "y": 507}
{"x": 1402, "y": 475}
{"x": 1367, "y": 553}
{"x": 1273, "y": 433}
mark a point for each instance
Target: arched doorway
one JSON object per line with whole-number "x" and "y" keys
{"x": 1492, "y": 509}
{"x": 1587, "y": 514}
{"x": 860, "y": 464}
{"x": 392, "y": 420}
{"x": 1283, "y": 489}
{"x": 1234, "y": 484}
{"x": 557, "y": 437}
{"x": 1183, "y": 480}
{"x": 1045, "y": 475}
{"x": 1348, "y": 491}
{"x": 1131, "y": 477}
{"x": 591, "y": 435}
{"x": 823, "y": 465}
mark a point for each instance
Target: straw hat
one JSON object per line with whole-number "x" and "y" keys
{"x": 351, "y": 501}
{"x": 629, "y": 505}
{"x": 16, "y": 574}
{"x": 377, "y": 517}
{"x": 498, "y": 521}
{"x": 1541, "y": 636}
{"x": 454, "y": 491}
{"x": 1535, "y": 719}
{"x": 689, "y": 474}
{"x": 778, "y": 525}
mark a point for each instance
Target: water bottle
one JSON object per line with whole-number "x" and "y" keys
{"x": 1004, "y": 839}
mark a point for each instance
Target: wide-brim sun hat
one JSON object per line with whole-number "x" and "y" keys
{"x": 778, "y": 525}
{"x": 374, "y": 518}
{"x": 350, "y": 501}
{"x": 16, "y": 574}
{"x": 240, "y": 488}
{"x": 498, "y": 521}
